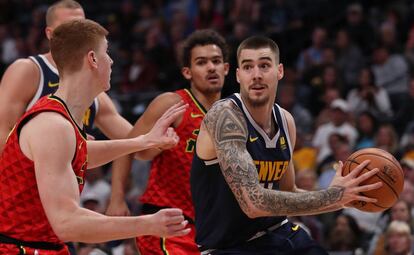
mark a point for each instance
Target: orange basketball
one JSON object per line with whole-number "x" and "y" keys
{"x": 391, "y": 175}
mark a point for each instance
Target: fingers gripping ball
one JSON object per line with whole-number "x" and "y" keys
{"x": 390, "y": 174}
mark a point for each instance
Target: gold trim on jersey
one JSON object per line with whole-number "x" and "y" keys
{"x": 83, "y": 134}
{"x": 163, "y": 246}
{"x": 11, "y": 131}
{"x": 199, "y": 105}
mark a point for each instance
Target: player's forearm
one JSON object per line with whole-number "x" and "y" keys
{"x": 102, "y": 152}
{"x": 89, "y": 227}
{"x": 281, "y": 203}
{"x": 148, "y": 154}
{"x": 120, "y": 172}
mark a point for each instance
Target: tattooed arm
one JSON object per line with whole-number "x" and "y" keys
{"x": 226, "y": 125}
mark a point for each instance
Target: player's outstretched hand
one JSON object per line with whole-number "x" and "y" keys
{"x": 352, "y": 183}
{"x": 168, "y": 222}
{"x": 162, "y": 135}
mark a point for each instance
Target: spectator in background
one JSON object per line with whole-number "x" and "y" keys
{"x": 386, "y": 138}
{"x": 304, "y": 155}
{"x": 350, "y": 59}
{"x": 96, "y": 187}
{"x": 324, "y": 115}
{"x": 345, "y": 236}
{"x": 320, "y": 79}
{"x": 340, "y": 151}
{"x": 306, "y": 180}
{"x": 339, "y": 124}
{"x": 287, "y": 99}
{"x": 140, "y": 75}
{"x": 389, "y": 38}
{"x": 366, "y": 125}
{"x": 400, "y": 211}
{"x": 398, "y": 239}
{"x": 391, "y": 73}
{"x": 407, "y": 164}
{"x": 312, "y": 56}
{"x": 404, "y": 117}
{"x": 208, "y": 16}
{"x": 359, "y": 29}
{"x": 369, "y": 97}
{"x": 409, "y": 48}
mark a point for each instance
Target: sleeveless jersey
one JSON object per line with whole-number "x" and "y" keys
{"x": 49, "y": 83}
{"x": 22, "y": 215}
{"x": 169, "y": 182}
{"x": 220, "y": 222}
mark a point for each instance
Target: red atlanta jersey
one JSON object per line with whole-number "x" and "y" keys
{"x": 21, "y": 213}
{"x": 169, "y": 182}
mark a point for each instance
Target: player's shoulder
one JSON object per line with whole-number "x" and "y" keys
{"x": 22, "y": 73}
{"x": 223, "y": 105}
{"x": 49, "y": 122}
{"x": 224, "y": 108}
{"x": 166, "y": 99}
{"x": 24, "y": 64}
{"x": 22, "y": 68}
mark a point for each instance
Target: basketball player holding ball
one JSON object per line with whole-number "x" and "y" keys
{"x": 390, "y": 174}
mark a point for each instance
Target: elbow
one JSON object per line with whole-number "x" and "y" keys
{"x": 63, "y": 233}
{"x": 252, "y": 211}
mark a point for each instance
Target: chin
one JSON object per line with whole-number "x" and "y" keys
{"x": 258, "y": 101}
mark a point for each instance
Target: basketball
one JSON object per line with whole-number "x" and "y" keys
{"x": 391, "y": 175}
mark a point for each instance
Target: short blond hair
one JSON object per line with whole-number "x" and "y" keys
{"x": 68, "y": 4}
{"x": 72, "y": 40}
{"x": 399, "y": 227}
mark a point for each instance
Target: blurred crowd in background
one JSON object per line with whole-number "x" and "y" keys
{"x": 349, "y": 83}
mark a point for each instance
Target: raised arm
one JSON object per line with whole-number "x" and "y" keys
{"x": 228, "y": 130}
{"x": 53, "y": 169}
{"x": 17, "y": 88}
{"x": 161, "y": 135}
{"x": 122, "y": 166}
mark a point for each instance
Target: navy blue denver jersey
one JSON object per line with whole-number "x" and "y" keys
{"x": 220, "y": 222}
{"x": 49, "y": 83}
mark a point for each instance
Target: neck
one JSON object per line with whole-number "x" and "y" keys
{"x": 75, "y": 92}
{"x": 50, "y": 59}
{"x": 207, "y": 100}
{"x": 262, "y": 115}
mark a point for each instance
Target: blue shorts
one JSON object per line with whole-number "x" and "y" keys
{"x": 288, "y": 239}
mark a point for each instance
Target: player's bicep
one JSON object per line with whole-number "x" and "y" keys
{"x": 228, "y": 129}
{"x": 17, "y": 88}
{"x": 49, "y": 140}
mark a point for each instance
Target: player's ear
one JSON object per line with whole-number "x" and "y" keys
{"x": 48, "y": 32}
{"x": 280, "y": 72}
{"x": 91, "y": 57}
{"x": 186, "y": 72}
{"x": 237, "y": 75}
{"x": 226, "y": 68}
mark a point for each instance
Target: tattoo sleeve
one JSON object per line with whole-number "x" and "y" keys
{"x": 227, "y": 126}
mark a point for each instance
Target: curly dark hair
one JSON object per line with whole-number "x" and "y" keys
{"x": 202, "y": 38}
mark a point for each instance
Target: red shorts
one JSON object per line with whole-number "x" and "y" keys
{"x": 183, "y": 245}
{"x": 12, "y": 249}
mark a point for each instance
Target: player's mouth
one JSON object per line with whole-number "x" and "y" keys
{"x": 258, "y": 87}
{"x": 213, "y": 78}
